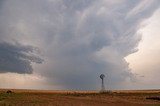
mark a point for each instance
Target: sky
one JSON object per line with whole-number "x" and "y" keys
{"x": 67, "y": 44}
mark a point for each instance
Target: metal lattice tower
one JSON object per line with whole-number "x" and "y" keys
{"x": 102, "y": 85}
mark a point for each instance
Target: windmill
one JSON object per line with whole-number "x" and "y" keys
{"x": 102, "y": 76}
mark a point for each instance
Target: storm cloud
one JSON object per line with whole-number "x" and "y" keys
{"x": 80, "y": 39}
{"x": 17, "y": 58}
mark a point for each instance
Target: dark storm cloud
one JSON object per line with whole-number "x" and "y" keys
{"x": 80, "y": 38}
{"x": 17, "y": 58}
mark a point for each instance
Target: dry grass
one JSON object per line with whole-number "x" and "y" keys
{"x": 78, "y": 98}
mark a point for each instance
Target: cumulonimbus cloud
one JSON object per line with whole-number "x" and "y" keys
{"x": 80, "y": 38}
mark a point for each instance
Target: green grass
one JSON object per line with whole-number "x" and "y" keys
{"x": 3, "y": 96}
{"x": 14, "y": 98}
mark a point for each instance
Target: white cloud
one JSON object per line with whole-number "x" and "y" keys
{"x": 146, "y": 61}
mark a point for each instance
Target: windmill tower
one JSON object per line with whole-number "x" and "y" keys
{"x": 102, "y": 76}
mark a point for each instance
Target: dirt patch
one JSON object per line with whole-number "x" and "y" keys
{"x": 153, "y": 98}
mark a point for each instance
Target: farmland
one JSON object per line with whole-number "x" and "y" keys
{"x": 78, "y": 98}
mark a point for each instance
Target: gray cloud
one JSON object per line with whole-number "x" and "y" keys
{"x": 17, "y": 58}
{"x": 80, "y": 39}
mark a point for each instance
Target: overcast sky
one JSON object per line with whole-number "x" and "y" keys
{"x": 67, "y": 44}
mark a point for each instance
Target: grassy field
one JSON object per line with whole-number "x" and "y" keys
{"x": 78, "y": 98}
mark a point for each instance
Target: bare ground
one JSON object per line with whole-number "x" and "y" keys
{"x": 78, "y": 98}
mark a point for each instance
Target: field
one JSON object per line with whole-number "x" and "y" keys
{"x": 78, "y": 98}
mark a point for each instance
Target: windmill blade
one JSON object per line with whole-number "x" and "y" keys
{"x": 102, "y": 76}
